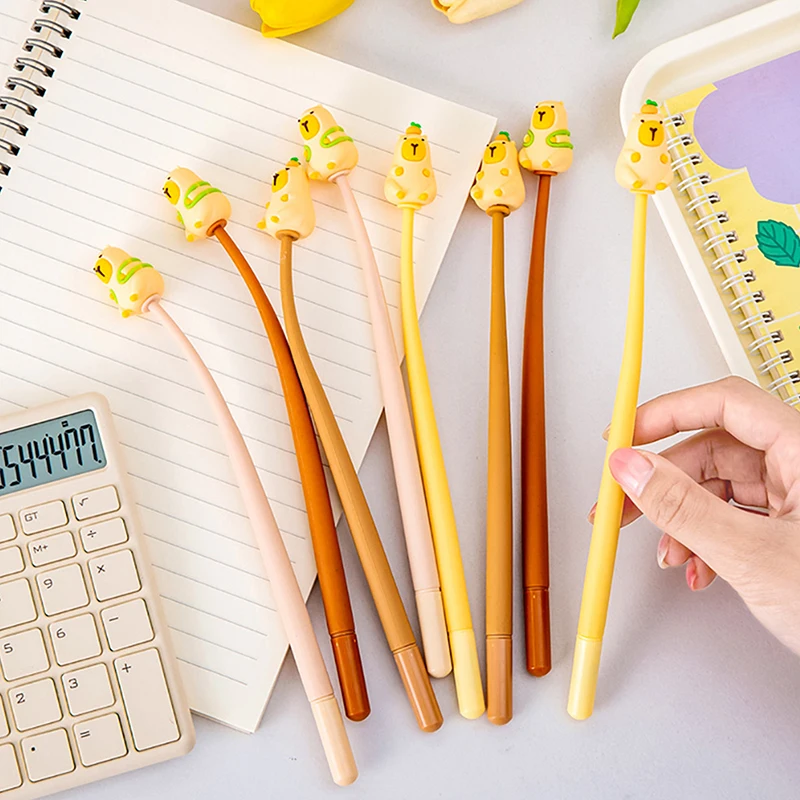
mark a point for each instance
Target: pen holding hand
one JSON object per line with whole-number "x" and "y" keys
{"x": 643, "y": 168}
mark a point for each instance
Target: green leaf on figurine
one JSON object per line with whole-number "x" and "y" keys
{"x": 779, "y": 243}
{"x": 625, "y": 10}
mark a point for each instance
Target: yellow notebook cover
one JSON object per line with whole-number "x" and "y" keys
{"x": 734, "y": 146}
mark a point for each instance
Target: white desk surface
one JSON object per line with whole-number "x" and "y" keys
{"x": 695, "y": 699}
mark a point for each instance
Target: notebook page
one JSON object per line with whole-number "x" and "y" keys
{"x": 143, "y": 88}
{"x": 15, "y": 21}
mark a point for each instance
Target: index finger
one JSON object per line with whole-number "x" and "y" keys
{"x": 753, "y": 416}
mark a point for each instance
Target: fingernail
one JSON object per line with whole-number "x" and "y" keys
{"x": 691, "y": 574}
{"x": 631, "y": 470}
{"x": 592, "y": 512}
{"x": 606, "y": 431}
{"x": 663, "y": 549}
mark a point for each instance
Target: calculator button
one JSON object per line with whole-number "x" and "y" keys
{"x": 7, "y": 529}
{"x": 100, "y": 740}
{"x": 47, "y": 755}
{"x": 23, "y": 654}
{"x": 9, "y": 769}
{"x": 87, "y": 689}
{"x": 52, "y": 548}
{"x": 4, "y": 729}
{"x": 42, "y": 518}
{"x": 146, "y": 698}
{"x": 95, "y": 503}
{"x": 74, "y": 639}
{"x": 62, "y": 589}
{"x": 114, "y": 575}
{"x": 127, "y": 625}
{"x": 11, "y": 561}
{"x": 104, "y": 534}
{"x": 34, "y": 704}
{"x": 16, "y": 604}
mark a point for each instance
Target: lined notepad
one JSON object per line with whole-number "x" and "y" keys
{"x": 141, "y": 88}
{"x": 15, "y": 18}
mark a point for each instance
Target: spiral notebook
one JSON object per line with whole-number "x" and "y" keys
{"x": 734, "y": 146}
{"x": 104, "y": 98}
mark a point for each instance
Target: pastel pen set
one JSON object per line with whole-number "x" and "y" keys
{"x": 329, "y": 154}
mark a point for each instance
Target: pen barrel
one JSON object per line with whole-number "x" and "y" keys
{"x": 535, "y": 533}
{"x": 440, "y": 506}
{"x": 277, "y": 565}
{"x": 499, "y": 508}
{"x": 408, "y": 479}
{"x": 335, "y": 743}
{"x": 371, "y": 554}
{"x": 324, "y": 539}
{"x": 611, "y": 498}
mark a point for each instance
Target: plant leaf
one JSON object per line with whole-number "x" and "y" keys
{"x": 625, "y": 9}
{"x": 779, "y": 243}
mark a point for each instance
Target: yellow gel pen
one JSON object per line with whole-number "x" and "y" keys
{"x": 643, "y": 168}
{"x": 410, "y": 185}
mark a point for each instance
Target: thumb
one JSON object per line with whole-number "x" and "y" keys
{"x": 726, "y": 538}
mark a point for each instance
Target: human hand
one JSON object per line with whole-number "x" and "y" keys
{"x": 747, "y": 450}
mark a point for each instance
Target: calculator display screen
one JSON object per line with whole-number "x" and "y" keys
{"x": 49, "y": 451}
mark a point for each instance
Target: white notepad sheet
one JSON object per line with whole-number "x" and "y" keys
{"x": 15, "y": 20}
{"x": 144, "y": 87}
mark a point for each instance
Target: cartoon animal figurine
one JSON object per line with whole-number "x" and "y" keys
{"x": 290, "y": 207}
{"x": 329, "y": 151}
{"x": 284, "y": 17}
{"x": 460, "y": 11}
{"x": 131, "y": 283}
{"x": 499, "y": 182}
{"x": 547, "y": 146}
{"x": 411, "y": 181}
{"x": 644, "y": 165}
{"x": 199, "y": 204}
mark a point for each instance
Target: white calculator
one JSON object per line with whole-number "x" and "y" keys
{"x": 90, "y": 687}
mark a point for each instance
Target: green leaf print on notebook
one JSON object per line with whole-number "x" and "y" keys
{"x": 779, "y": 243}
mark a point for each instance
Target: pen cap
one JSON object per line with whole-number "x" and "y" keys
{"x": 131, "y": 283}
{"x": 644, "y": 163}
{"x": 333, "y": 735}
{"x": 467, "y": 673}
{"x": 199, "y": 205}
{"x": 411, "y": 182}
{"x": 418, "y": 688}
{"x": 499, "y": 663}
{"x": 290, "y": 208}
{"x": 537, "y": 624}
{"x": 328, "y": 150}
{"x": 547, "y": 146}
{"x": 585, "y": 669}
{"x": 499, "y": 180}
{"x": 347, "y": 656}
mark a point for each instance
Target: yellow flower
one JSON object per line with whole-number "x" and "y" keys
{"x": 284, "y": 17}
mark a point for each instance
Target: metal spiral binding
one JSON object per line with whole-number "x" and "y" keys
{"x": 32, "y": 73}
{"x": 727, "y": 263}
